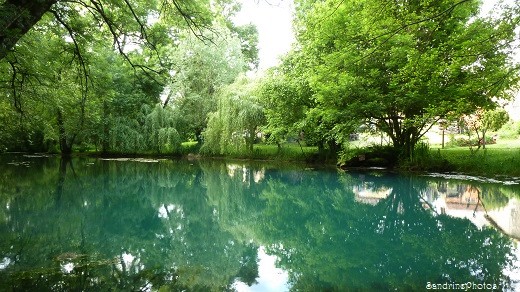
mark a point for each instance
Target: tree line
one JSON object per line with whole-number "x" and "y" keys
{"x": 144, "y": 76}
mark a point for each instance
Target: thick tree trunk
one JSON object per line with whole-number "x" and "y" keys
{"x": 333, "y": 147}
{"x": 17, "y": 17}
{"x": 404, "y": 141}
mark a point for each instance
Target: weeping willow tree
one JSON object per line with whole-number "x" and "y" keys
{"x": 233, "y": 128}
{"x": 126, "y": 135}
{"x": 153, "y": 130}
{"x": 160, "y": 129}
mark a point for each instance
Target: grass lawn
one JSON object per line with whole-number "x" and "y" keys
{"x": 502, "y": 158}
{"x": 288, "y": 151}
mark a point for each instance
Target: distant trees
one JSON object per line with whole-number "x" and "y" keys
{"x": 200, "y": 70}
{"x": 287, "y": 97}
{"x": 482, "y": 121}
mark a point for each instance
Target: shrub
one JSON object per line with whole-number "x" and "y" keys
{"x": 421, "y": 152}
{"x": 465, "y": 142}
{"x": 375, "y": 155}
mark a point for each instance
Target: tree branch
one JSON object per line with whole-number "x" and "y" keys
{"x": 81, "y": 60}
{"x": 393, "y": 33}
{"x": 18, "y": 16}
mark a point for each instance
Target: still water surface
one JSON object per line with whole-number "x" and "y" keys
{"x": 147, "y": 225}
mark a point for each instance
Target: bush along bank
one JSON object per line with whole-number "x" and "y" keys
{"x": 386, "y": 156}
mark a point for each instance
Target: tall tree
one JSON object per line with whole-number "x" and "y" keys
{"x": 233, "y": 127}
{"x": 200, "y": 71}
{"x": 403, "y": 65}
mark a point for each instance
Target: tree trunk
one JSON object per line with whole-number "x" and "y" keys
{"x": 443, "y": 139}
{"x": 321, "y": 147}
{"x": 17, "y": 17}
{"x": 65, "y": 146}
{"x": 333, "y": 148}
{"x": 484, "y": 139}
{"x": 404, "y": 142}
{"x": 105, "y": 140}
{"x": 250, "y": 139}
{"x": 198, "y": 137}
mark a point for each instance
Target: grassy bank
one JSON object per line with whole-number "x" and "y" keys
{"x": 485, "y": 162}
{"x": 498, "y": 159}
{"x": 288, "y": 152}
{"x": 501, "y": 159}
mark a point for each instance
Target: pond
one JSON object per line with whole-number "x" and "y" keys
{"x": 147, "y": 225}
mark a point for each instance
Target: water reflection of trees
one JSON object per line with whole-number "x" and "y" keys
{"x": 99, "y": 227}
{"x": 337, "y": 243}
{"x": 103, "y": 225}
{"x": 491, "y": 194}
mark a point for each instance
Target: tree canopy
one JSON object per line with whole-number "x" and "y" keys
{"x": 139, "y": 76}
{"x": 123, "y": 19}
{"x": 90, "y": 73}
{"x": 402, "y": 66}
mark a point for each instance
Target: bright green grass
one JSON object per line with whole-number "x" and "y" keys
{"x": 486, "y": 162}
{"x": 189, "y": 144}
{"x": 287, "y": 152}
{"x": 505, "y": 144}
{"x": 191, "y": 147}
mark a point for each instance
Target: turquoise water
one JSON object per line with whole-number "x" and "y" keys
{"x": 148, "y": 225}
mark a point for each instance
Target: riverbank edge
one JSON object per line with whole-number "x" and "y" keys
{"x": 475, "y": 166}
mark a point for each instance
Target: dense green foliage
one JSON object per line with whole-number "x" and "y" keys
{"x": 396, "y": 68}
{"x": 140, "y": 78}
{"x": 201, "y": 70}
{"x": 400, "y": 67}
{"x": 145, "y": 76}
